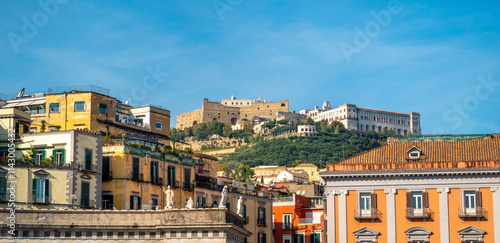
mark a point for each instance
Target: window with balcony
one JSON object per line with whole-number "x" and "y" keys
{"x": 261, "y": 220}
{"x": 40, "y": 190}
{"x": 54, "y": 108}
{"x": 262, "y": 237}
{"x": 103, "y": 108}
{"x": 88, "y": 159}
{"x": 471, "y": 205}
{"x": 171, "y": 176}
{"x": 79, "y": 106}
{"x": 417, "y": 205}
{"x": 287, "y": 221}
{"x": 39, "y": 156}
{"x": 187, "y": 178}
{"x": 367, "y": 206}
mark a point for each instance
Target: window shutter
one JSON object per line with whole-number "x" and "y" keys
{"x": 47, "y": 191}
{"x": 425, "y": 199}
{"x": 408, "y": 200}
{"x": 264, "y": 237}
{"x": 373, "y": 199}
{"x": 295, "y": 240}
{"x": 34, "y": 190}
{"x": 63, "y": 156}
{"x": 43, "y": 155}
{"x": 228, "y": 206}
{"x": 264, "y": 214}
{"x": 479, "y": 200}
{"x": 203, "y": 202}
{"x": 139, "y": 203}
{"x": 54, "y": 156}
{"x": 244, "y": 211}
{"x": 3, "y": 186}
{"x": 131, "y": 202}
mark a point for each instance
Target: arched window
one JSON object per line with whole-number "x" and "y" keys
{"x": 418, "y": 234}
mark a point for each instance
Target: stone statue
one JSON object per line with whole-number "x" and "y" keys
{"x": 240, "y": 207}
{"x": 169, "y": 197}
{"x": 223, "y": 201}
{"x": 190, "y": 203}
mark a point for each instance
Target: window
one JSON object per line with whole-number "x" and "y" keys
{"x": 54, "y": 108}
{"x": 106, "y": 168}
{"x": 171, "y": 176}
{"x": 416, "y": 200}
{"x": 107, "y": 200}
{"x": 364, "y": 203}
{"x": 262, "y": 237}
{"x": 3, "y": 189}
{"x": 316, "y": 238}
{"x": 298, "y": 238}
{"x": 80, "y": 106}
{"x": 39, "y": 156}
{"x": 187, "y": 178}
{"x": 472, "y": 204}
{"x": 135, "y": 169}
{"x": 159, "y": 125}
{"x": 154, "y": 172}
{"x": 154, "y": 203}
{"x": 59, "y": 156}
{"x": 287, "y": 221}
{"x": 88, "y": 159}
{"x": 417, "y": 204}
{"x": 40, "y": 190}
{"x": 135, "y": 202}
{"x": 84, "y": 200}
{"x": 103, "y": 108}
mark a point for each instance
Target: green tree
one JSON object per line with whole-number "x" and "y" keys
{"x": 226, "y": 130}
{"x": 310, "y": 121}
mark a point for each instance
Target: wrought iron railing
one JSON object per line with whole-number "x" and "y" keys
{"x": 477, "y": 212}
{"x": 366, "y": 213}
{"x": 418, "y": 213}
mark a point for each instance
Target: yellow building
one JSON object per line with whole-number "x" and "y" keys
{"x": 135, "y": 177}
{"x": 90, "y": 107}
{"x": 58, "y": 169}
{"x": 269, "y": 173}
{"x": 311, "y": 170}
{"x": 257, "y": 208}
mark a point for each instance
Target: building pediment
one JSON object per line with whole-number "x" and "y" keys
{"x": 471, "y": 230}
{"x": 86, "y": 176}
{"x": 365, "y": 231}
{"x": 41, "y": 173}
{"x": 417, "y": 230}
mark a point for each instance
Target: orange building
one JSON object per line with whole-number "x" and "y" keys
{"x": 418, "y": 189}
{"x": 298, "y": 219}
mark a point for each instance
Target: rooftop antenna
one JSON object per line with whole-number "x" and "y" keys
{"x": 21, "y": 94}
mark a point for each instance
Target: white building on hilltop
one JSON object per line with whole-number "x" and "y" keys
{"x": 365, "y": 119}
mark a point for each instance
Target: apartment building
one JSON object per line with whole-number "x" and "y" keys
{"x": 421, "y": 189}
{"x": 298, "y": 219}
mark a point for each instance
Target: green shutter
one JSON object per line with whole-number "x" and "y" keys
{"x": 43, "y": 155}
{"x": 63, "y": 156}
{"x": 47, "y": 191}
{"x": 33, "y": 191}
{"x": 151, "y": 171}
{"x": 139, "y": 203}
{"x": 131, "y": 202}
{"x": 203, "y": 202}
{"x": 54, "y": 156}
{"x": 244, "y": 211}
{"x": 295, "y": 240}
{"x": 3, "y": 186}
{"x": 264, "y": 214}
{"x": 228, "y": 206}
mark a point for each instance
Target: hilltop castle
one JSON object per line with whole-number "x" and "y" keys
{"x": 231, "y": 111}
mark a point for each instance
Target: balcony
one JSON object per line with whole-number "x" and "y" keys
{"x": 246, "y": 221}
{"x": 261, "y": 222}
{"x": 107, "y": 176}
{"x": 188, "y": 187}
{"x": 366, "y": 214}
{"x": 137, "y": 177}
{"x": 477, "y": 212}
{"x": 41, "y": 200}
{"x": 288, "y": 226}
{"x": 420, "y": 213}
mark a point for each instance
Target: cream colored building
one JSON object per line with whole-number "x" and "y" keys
{"x": 365, "y": 119}
{"x": 59, "y": 169}
{"x": 269, "y": 173}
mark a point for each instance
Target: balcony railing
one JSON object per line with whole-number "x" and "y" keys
{"x": 43, "y": 200}
{"x": 418, "y": 213}
{"x": 107, "y": 176}
{"x": 261, "y": 222}
{"x": 137, "y": 177}
{"x": 188, "y": 187}
{"x": 366, "y": 214}
{"x": 158, "y": 181}
{"x": 477, "y": 212}
{"x": 246, "y": 221}
{"x": 288, "y": 226}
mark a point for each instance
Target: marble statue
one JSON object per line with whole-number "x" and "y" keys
{"x": 240, "y": 207}
{"x": 224, "y": 198}
{"x": 190, "y": 203}
{"x": 169, "y": 197}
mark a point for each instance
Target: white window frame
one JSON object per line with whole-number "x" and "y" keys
{"x": 284, "y": 221}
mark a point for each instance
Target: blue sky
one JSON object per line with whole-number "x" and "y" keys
{"x": 423, "y": 56}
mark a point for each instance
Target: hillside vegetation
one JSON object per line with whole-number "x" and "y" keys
{"x": 329, "y": 145}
